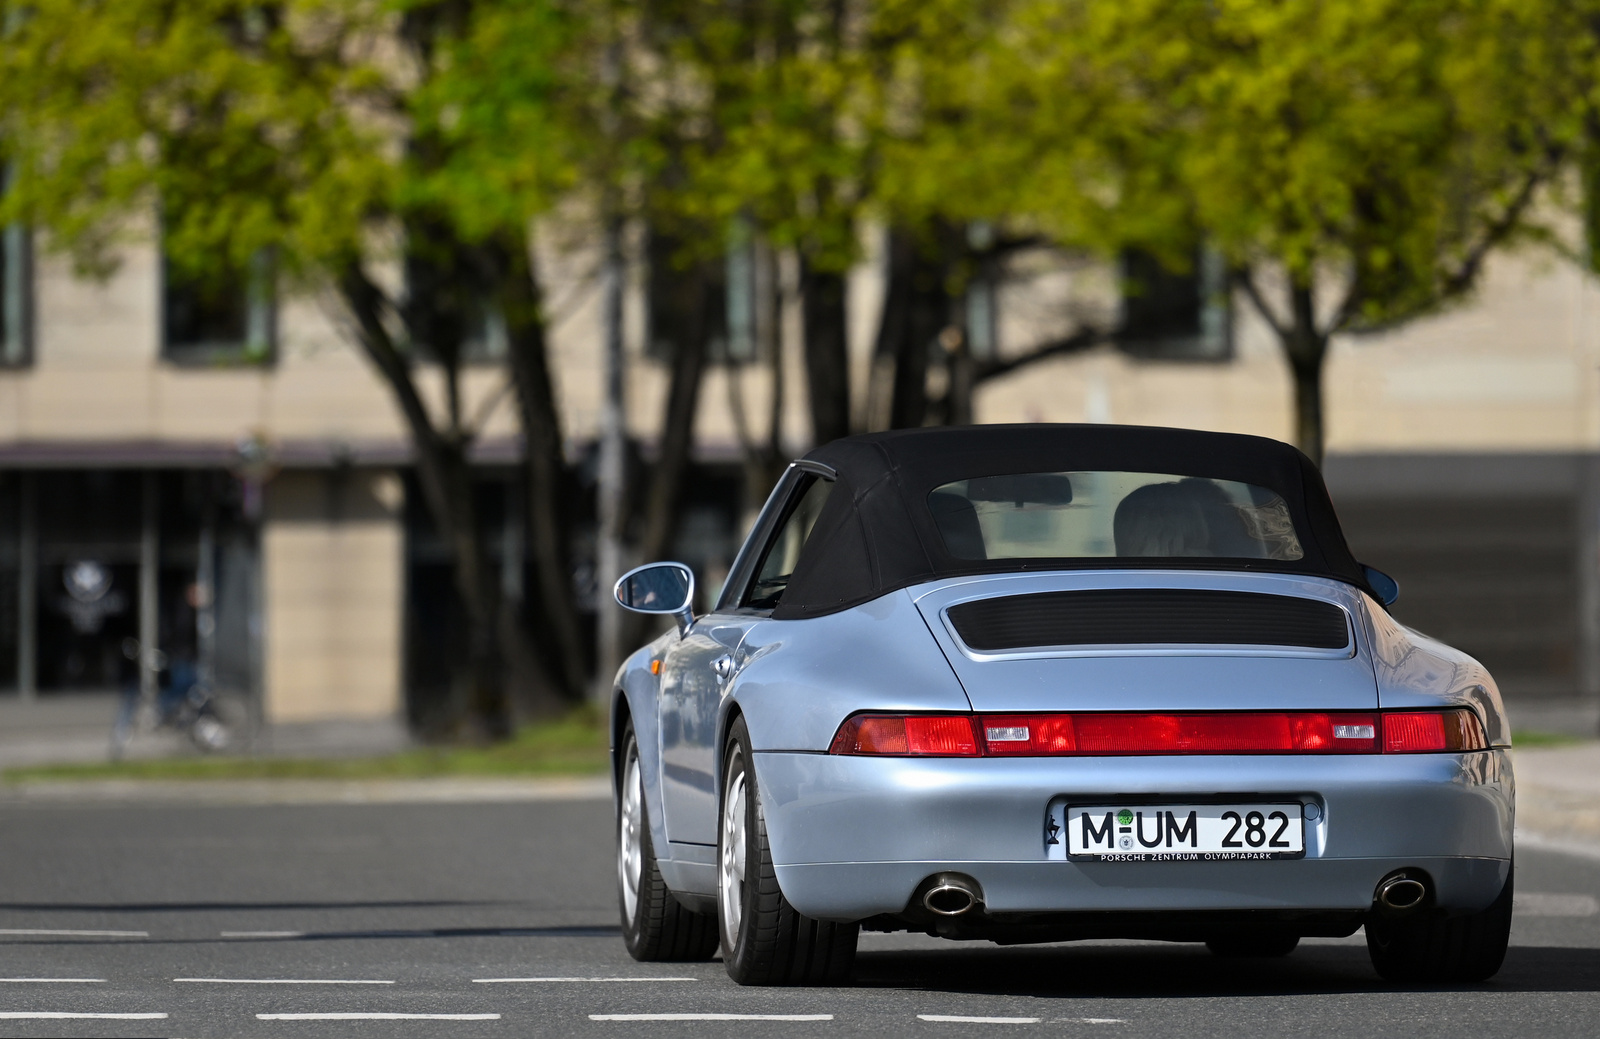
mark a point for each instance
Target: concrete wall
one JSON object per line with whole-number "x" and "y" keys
{"x": 332, "y": 560}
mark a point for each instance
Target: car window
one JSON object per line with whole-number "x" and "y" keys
{"x": 783, "y": 552}
{"x": 1079, "y": 515}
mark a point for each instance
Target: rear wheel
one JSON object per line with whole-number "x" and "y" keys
{"x": 655, "y": 925}
{"x": 1262, "y": 945}
{"x": 1455, "y": 948}
{"x": 765, "y": 941}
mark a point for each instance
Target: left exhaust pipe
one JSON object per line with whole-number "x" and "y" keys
{"x": 951, "y": 894}
{"x": 1401, "y": 893}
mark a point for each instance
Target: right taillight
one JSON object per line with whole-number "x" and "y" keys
{"x": 1425, "y": 732}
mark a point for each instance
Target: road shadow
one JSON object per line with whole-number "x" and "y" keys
{"x": 1152, "y": 971}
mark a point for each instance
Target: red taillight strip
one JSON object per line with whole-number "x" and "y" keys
{"x": 1146, "y": 733}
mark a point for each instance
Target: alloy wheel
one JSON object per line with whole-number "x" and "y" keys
{"x": 630, "y": 854}
{"x": 731, "y": 874}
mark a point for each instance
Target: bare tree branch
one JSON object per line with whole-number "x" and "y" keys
{"x": 1463, "y": 277}
{"x": 1247, "y": 282}
{"x": 1075, "y": 343}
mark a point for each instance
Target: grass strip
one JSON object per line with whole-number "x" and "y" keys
{"x": 1535, "y": 738}
{"x": 574, "y": 745}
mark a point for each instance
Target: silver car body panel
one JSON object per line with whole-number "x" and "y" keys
{"x": 853, "y": 836}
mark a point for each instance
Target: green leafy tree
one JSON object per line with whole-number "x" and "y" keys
{"x": 343, "y": 138}
{"x": 1355, "y": 161}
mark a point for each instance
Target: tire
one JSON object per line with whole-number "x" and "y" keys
{"x": 655, "y": 926}
{"x": 1262, "y": 945}
{"x": 1463, "y": 948}
{"x": 765, "y": 941}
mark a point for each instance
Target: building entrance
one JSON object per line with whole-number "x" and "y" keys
{"x": 112, "y": 578}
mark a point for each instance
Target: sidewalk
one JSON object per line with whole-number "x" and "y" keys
{"x": 76, "y": 728}
{"x": 1558, "y": 797}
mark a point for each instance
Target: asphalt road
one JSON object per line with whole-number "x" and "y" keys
{"x": 418, "y": 909}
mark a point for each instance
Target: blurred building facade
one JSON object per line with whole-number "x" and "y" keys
{"x": 221, "y": 476}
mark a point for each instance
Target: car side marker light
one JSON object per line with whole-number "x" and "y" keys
{"x": 1102, "y": 734}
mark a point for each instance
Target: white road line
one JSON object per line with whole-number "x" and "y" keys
{"x": 1089, "y": 1020}
{"x": 263, "y": 934}
{"x": 284, "y": 981}
{"x": 6, "y": 931}
{"x": 377, "y": 1017}
{"x": 531, "y": 981}
{"x": 62, "y": 1015}
{"x": 711, "y": 1017}
{"x": 53, "y": 981}
{"x": 1539, "y": 903}
{"x": 962, "y": 1019}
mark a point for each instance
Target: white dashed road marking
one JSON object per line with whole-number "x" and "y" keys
{"x": 62, "y": 1015}
{"x": 53, "y": 981}
{"x": 1090, "y": 1020}
{"x": 36, "y": 932}
{"x": 542, "y": 981}
{"x": 377, "y": 1017}
{"x": 711, "y": 1017}
{"x": 283, "y": 981}
{"x": 963, "y": 1019}
{"x": 1538, "y": 903}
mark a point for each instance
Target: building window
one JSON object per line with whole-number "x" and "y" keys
{"x": 16, "y": 293}
{"x": 217, "y": 314}
{"x": 1176, "y": 316}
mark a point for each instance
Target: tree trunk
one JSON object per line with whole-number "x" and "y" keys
{"x": 823, "y": 295}
{"x": 556, "y": 609}
{"x": 677, "y": 426}
{"x": 1306, "y": 348}
{"x": 446, "y": 480}
{"x": 916, "y": 307}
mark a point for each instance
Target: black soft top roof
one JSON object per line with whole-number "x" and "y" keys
{"x": 877, "y": 533}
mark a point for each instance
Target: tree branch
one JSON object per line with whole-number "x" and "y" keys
{"x": 1247, "y": 282}
{"x": 1075, "y": 343}
{"x": 366, "y": 302}
{"x": 1466, "y": 274}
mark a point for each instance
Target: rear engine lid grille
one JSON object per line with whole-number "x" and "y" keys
{"x": 1148, "y": 616}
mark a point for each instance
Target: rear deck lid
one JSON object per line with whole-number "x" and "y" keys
{"x": 1146, "y": 640}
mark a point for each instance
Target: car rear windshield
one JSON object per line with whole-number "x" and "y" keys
{"x": 1099, "y": 515}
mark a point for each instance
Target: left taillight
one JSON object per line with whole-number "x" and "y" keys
{"x": 918, "y": 735}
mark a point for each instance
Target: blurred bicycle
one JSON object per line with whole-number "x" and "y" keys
{"x": 184, "y": 703}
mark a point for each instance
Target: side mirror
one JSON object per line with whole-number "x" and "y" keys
{"x": 1386, "y": 588}
{"x": 659, "y": 588}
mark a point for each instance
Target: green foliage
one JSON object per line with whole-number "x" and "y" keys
{"x": 307, "y": 127}
{"x": 1381, "y": 141}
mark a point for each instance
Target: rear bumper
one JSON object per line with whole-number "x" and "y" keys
{"x": 853, "y": 837}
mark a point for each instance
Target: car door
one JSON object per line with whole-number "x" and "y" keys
{"x": 698, "y": 671}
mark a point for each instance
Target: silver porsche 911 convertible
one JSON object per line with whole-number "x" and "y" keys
{"x": 1042, "y": 683}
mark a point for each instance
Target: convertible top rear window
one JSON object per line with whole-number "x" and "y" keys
{"x": 1098, "y": 515}
{"x": 917, "y": 505}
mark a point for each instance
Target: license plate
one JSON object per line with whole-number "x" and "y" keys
{"x": 1175, "y": 832}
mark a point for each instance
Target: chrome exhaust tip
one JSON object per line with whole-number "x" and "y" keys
{"x": 951, "y": 894}
{"x": 1401, "y": 893}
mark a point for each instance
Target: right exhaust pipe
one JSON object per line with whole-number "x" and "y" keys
{"x": 1401, "y": 892}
